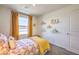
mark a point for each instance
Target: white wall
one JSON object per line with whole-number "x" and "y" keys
{"x": 5, "y": 20}
{"x": 34, "y": 21}
{"x": 56, "y": 14}
{"x": 60, "y": 39}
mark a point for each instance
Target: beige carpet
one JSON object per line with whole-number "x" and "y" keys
{"x": 55, "y": 50}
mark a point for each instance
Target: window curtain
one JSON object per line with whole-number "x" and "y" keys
{"x": 29, "y": 26}
{"x": 15, "y": 32}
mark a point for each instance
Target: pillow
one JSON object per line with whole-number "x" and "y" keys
{"x": 12, "y": 43}
{"x": 3, "y": 37}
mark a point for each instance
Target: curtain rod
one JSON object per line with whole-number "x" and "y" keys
{"x": 21, "y": 13}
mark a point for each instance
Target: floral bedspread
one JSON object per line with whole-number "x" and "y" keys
{"x": 25, "y": 47}
{"x": 4, "y": 48}
{"x": 22, "y": 47}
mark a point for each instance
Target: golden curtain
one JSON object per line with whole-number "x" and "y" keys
{"x": 29, "y": 26}
{"x": 15, "y": 32}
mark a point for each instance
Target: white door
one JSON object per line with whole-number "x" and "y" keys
{"x": 62, "y": 38}
{"x": 74, "y": 32}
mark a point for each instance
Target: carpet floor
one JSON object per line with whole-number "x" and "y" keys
{"x": 55, "y": 50}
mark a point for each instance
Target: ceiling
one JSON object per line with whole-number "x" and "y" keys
{"x": 38, "y": 9}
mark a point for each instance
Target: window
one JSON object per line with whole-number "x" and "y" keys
{"x": 23, "y": 25}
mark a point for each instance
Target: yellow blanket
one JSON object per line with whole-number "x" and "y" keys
{"x": 43, "y": 44}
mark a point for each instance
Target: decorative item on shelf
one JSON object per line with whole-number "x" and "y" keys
{"x": 34, "y": 25}
{"x": 55, "y": 21}
{"x": 55, "y": 31}
{"x": 49, "y": 26}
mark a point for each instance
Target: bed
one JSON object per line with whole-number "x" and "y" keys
{"x": 30, "y": 46}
